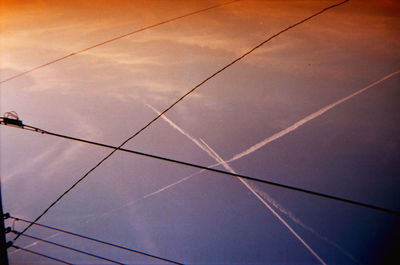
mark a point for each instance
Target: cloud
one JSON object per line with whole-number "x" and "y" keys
{"x": 32, "y": 163}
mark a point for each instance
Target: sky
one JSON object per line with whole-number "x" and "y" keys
{"x": 109, "y": 92}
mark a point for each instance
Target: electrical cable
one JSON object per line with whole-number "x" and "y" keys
{"x": 319, "y": 194}
{"x": 69, "y": 248}
{"x": 40, "y": 254}
{"x": 179, "y": 100}
{"x": 95, "y": 240}
{"x": 115, "y": 38}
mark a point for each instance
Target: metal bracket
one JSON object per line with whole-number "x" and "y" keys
{"x": 9, "y": 244}
{"x": 6, "y": 216}
{"x": 15, "y": 122}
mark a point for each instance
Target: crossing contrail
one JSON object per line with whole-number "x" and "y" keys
{"x": 308, "y": 118}
{"x": 262, "y": 196}
{"x": 194, "y": 140}
{"x": 247, "y": 185}
{"x": 266, "y": 141}
{"x": 282, "y": 133}
{"x": 206, "y": 148}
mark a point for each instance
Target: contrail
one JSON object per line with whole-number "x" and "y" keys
{"x": 262, "y": 196}
{"x": 268, "y": 140}
{"x": 35, "y": 243}
{"x": 278, "y": 135}
{"x": 194, "y": 140}
{"x": 206, "y": 148}
{"x": 229, "y": 168}
{"x": 144, "y": 197}
{"x": 303, "y": 225}
{"x": 308, "y": 118}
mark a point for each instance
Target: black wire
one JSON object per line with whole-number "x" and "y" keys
{"x": 31, "y": 128}
{"x": 95, "y": 240}
{"x": 116, "y": 38}
{"x": 69, "y": 248}
{"x": 40, "y": 254}
{"x": 179, "y": 100}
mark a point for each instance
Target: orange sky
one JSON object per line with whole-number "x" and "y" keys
{"x": 101, "y": 95}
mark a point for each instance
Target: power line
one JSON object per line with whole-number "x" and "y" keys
{"x": 116, "y": 38}
{"x": 40, "y": 254}
{"x": 323, "y": 195}
{"x": 179, "y": 100}
{"x": 96, "y": 240}
{"x": 69, "y": 248}
{"x": 176, "y": 102}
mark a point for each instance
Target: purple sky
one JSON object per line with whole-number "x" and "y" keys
{"x": 350, "y": 151}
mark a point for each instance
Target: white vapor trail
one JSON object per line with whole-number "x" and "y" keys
{"x": 245, "y": 183}
{"x": 35, "y": 243}
{"x": 278, "y": 135}
{"x": 180, "y": 130}
{"x": 308, "y": 118}
{"x": 96, "y": 216}
{"x": 264, "y": 196}
{"x": 299, "y": 222}
{"x": 206, "y": 148}
{"x": 266, "y": 141}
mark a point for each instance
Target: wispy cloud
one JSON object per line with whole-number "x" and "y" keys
{"x": 40, "y": 158}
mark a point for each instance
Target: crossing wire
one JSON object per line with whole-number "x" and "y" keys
{"x": 40, "y": 254}
{"x": 95, "y": 240}
{"x": 31, "y": 128}
{"x": 69, "y": 248}
{"x": 114, "y": 39}
{"x": 179, "y": 100}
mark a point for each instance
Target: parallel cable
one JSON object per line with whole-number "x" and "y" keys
{"x": 116, "y": 38}
{"x": 66, "y": 247}
{"x": 40, "y": 254}
{"x": 184, "y": 96}
{"x": 310, "y": 192}
{"x": 95, "y": 240}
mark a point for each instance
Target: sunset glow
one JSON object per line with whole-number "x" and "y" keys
{"x": 317, "y": 107}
